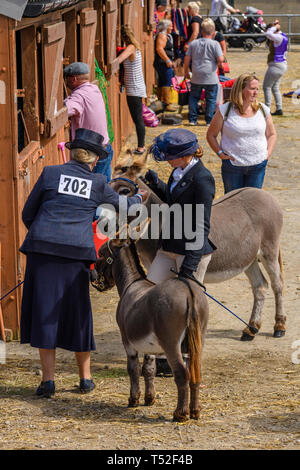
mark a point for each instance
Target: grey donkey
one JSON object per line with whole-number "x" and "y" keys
{"x": 156, "y": 319}
{"x": 245, "y": 226}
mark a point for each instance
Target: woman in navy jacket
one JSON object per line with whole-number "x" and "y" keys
{"x": 190, "y": 185}
{"x": 56, "y": 307}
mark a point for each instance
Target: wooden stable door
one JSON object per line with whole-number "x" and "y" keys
{"x": 88, "y": 27}
{"x": 111, "y": 16}
{"x": 53, "y": 40}
{"x": 128, "y": 11}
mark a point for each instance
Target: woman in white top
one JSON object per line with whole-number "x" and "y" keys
{"x": 248, "y": 136}
{"x": 134, "y": 83}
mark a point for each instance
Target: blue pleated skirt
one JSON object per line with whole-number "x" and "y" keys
{"x": 56, "y": 308}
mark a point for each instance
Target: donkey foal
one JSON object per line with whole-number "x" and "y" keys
{"x": 155, "y": 319}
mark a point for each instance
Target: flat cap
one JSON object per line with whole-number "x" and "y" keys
{"x": 77, "y": 68}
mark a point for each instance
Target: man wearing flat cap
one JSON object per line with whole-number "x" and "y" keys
{"x": 86, "y": 109}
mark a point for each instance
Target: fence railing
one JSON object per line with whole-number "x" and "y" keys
{"x": 288, "y": 16}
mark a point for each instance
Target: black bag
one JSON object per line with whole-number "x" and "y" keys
{"x": 171, "y": 119}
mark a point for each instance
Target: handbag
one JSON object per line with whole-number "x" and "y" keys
{"x": 226, "y": 68}
{"x": 149, "y": 117}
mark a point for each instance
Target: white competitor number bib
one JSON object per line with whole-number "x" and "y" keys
{"x": 75, "y": 186}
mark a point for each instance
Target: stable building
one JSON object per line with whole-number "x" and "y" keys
{"x": 37, "y": 39}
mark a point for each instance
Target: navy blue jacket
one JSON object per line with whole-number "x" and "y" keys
{"x": 197, "y": 186}
{"x": 60, "y": 224}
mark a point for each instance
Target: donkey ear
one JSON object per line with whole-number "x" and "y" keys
{"x": 138, "y": 165}
{"x": 137, "y": 232}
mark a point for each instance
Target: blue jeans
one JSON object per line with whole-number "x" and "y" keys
{"x": 235, "y": 177}
{"x": 164, "y": 74}
{"x": 103, "y": 166}
{"x": 211, "y": 92}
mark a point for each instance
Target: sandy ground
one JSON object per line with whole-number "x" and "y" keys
{"x": 250, "y": 398}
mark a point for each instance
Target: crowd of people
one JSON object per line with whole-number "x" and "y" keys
{"x": 61, "y": 207}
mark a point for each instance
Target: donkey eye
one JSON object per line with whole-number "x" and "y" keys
{"x": 124, "y": 191}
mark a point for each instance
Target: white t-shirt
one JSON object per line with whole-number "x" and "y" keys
{"x": 244, "y": 138}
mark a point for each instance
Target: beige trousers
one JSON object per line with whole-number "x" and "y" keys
{"x": 165, "y": 260}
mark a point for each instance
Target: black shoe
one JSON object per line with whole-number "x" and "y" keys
{"x": 278, "y": 112}
{"x": 46, "y": 389}
{"x": 163, "y": 368}
{"x": 138, "y": 152}
{"x": 86, "y": 386}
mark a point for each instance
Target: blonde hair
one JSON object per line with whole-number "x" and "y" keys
{"x": 128, "y": 36}
{"x": 208, "y": 26}
{"x": 198, "y": 153}
{"x": 194, "y": 6}
{"x": 236, "y": 94}
{"x": 83, "y": 156}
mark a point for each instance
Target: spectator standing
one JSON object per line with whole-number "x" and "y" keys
{"x": 160, "y": 11}
{"x": 206, "y": 56}
{"x": 194, "y": 28}
{"x": 86, "y": 109}
{"x": 219, "y": 8}
{"x": 135, "y": 86}
{"x": 59, "y": 246}
{"x": 277, "y": 66}
{"x": 163, "y": 62}
{"x": 248, "y": 136}
{"x": 221, "y": 40}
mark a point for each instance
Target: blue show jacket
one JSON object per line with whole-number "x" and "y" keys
{"x": 197, "y": 186}
{"x": 60, "y": 223}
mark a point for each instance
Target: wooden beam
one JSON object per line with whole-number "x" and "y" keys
{"x": 2, "y": 332}
{"x": 9, "y": 175}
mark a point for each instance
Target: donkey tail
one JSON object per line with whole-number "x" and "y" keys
{"x": 280, "y": 262}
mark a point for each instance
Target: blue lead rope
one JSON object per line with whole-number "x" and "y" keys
{"x": 251, "y": 328}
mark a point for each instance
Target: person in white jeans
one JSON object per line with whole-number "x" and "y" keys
{"x": 277, "y": 66}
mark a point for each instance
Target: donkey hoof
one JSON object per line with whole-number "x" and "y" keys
{"x": 247, "y": 337}
{"x": 194, "y": 414}
{"x": 149, "y": 401}
{"x": 180, "y": 418}
{"x": 279, "y": 333}
{"x": 133, "y": 403}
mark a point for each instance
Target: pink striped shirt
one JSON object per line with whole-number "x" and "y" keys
{"x": 86, "y": 109}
